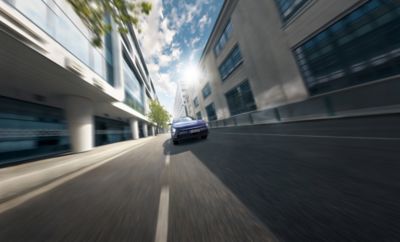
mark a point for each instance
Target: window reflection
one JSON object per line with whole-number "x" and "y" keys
{"x": 54, "y": 21}
{"x": 358, "y": 48}
{"x": 240, "y": 99}
{"x": 30, "y": 130}
{"x": 133, "y": 89}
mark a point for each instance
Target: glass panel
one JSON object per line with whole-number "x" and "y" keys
{"x": 206, "y": 90}
{"x": 211, "y": 114}
{"x": 355, "y": 53}
{"x": 288, "y": 8}
{"x": 53, "y": 20}
{"x": 226, "y": 34}
{"x": 230, "y": 63}
{"x": 110, "y": 131}
{"x": 240, "y": 99}
{"x": 133, "y": 89}
{"x": 30, "y": 131}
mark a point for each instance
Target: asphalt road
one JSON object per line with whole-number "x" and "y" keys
{"x": 334, "y": 180}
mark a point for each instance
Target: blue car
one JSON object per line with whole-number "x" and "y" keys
{"x": 188, "y": 128}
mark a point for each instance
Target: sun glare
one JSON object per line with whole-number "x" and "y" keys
{"x": 191, "y": 74}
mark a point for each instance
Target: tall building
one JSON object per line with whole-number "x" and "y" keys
{"x": 303, "y": 58}
{"x": 180, "y": 109}
{"x": 60, "y": 93}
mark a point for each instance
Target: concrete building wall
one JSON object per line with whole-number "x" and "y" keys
{"x": 266, "y": 42}
{"x": 268, "y": 64}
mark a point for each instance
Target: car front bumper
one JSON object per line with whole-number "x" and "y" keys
{"x": 189, "y": 134}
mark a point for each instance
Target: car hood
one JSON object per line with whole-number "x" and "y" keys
{"x": 188, "y": 124}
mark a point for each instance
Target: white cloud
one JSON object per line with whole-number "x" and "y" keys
{"x": 204, "y": 21}
{"x": 195, "y": 41}
{"x": 160, "y": 47}
{"x": 165, "y": 85}
{"x": 156, "y": 38}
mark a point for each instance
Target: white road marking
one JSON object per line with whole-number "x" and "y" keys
{"x": 27, "y": 196}
{"x": 167, "y": 160}
{"x": 162, "y": 221}
{"x": 314, "y": 136}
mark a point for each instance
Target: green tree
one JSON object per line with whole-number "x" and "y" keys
{"x": 123, "y": 12}
{"x": 158, "y": 114}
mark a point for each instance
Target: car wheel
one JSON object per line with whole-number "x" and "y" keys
{"x": 204, "y": 137}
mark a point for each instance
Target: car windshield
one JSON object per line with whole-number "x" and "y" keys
{"x": 183, "y": 119}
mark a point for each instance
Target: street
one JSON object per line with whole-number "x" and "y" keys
{"x": 333, "y": 180}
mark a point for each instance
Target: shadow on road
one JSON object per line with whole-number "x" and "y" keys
{"x": 309, "y": 189}
{"x": 187, "y": 145}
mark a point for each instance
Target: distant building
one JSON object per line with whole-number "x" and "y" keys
{"x": 329, "y": 56}
{"x": 59, "y": 93}
{"x": 179, "y": 103}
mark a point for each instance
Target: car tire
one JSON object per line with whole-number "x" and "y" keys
{"x": 204, "y": 137}
{"x": 175, "y": 142}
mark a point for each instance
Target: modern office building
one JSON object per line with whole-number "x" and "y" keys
{"x": 312, "y": 57}
{"x": 57, "y": 91}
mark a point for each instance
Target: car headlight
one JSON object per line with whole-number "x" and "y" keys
{"x": 173, "y": 130}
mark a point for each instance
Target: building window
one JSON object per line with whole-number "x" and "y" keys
{"x": 110, "y": 131}
{"x": 109, "y": 54}
{"x": 232, "y": 61}
{"x": 196, "y": 102}
{"x": 206, "y": 90}
{"x": 361, "y": 47}
{"x": 198, "y": 115}
{"x": 288, "y": 8}
{"x": 134, "y": 96}
{"x": 211, "y": 114}
{"x": 226, "y": 34}
{"x": 30, "y": 130}
{"x": 240, "y": 99}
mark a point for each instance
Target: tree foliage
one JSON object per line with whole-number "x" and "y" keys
{"x": 123, "y": 12}
{"x": 158, "y": 114}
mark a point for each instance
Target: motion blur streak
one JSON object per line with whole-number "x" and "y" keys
{"x": 252, "y": 188}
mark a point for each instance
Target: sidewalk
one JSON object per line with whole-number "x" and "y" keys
{"x": 22, "y": 178}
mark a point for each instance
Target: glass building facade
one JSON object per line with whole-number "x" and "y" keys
{"x": 361, "y": 47}
{"x": 51, "y": 17}
{"x": 30, "y": 130}
{"x": 110, "y": 131}
{"x": 134, "y": 96}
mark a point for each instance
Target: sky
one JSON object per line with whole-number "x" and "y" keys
{"x": 172, "y": 39}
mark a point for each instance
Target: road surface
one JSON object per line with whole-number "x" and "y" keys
{"x": 334, "y": 180}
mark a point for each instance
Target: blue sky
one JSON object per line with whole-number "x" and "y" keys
{"x": 173, "y": 37}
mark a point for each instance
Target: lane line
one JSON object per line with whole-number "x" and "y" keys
{"x": 314, "y": 136}
{"x": 27, "y": 196}
{"x": 167, "y": 160}
{"x": 162, "y": 221}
